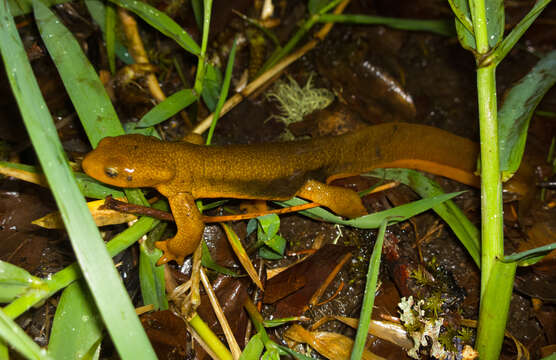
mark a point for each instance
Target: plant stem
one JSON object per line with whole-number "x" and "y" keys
{"x": 491, "y": 183}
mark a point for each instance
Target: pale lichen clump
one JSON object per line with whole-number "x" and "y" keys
{"x": 295, "y": 102}
{"x": 425, "y": 328}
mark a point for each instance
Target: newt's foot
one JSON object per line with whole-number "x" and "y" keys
{"x": 168, "y": 254}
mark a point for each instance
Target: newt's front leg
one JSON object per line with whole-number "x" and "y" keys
{"x": 190, "y": 229}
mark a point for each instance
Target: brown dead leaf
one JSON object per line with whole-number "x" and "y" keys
{"x": 331, "y": 345}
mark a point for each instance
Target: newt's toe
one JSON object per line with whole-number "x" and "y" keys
{"x": 167, "y": 255}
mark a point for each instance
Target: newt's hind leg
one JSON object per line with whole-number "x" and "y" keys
{"x": 342, "y": 201}
{"x": 190, "y": 229}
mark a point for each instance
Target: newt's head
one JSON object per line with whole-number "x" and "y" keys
{"x": 128, "y": 161}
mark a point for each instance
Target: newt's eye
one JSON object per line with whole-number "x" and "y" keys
{"x": 111, "y": 172}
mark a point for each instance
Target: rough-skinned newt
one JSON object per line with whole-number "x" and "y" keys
{"x": 183, "y": 171}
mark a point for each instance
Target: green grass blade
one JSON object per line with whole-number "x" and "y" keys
{"x": 513, "y": 37}
{"x": 254, "y": 348}
{"x": 14, "y": 281}
{"x": 97, "y": 10}
{"x": 373, "y": 221}
{"x": 77, "y": 327}
{"x": 71, "y": 273}
{"x": 161, "y": 22}
{"x": 466, "y": 232}
{"x": 12, "y": 334}
{"x": 530, "y": 257}
{"x": 212, "y": 85}
{"x": 518, "y": 108}
{"x": 168, "y": 108}
{"x": 110, "y": 37}
{"x": 223, "y": 92}
{"x": 80, "y": 78}
{"x": 369, "y": 295}
{"x": 441, "y": 27}
{"x": 97, "y": 266}
{"x": 151, "y": 277}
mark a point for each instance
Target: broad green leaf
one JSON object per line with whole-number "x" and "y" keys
{"x": 495, "y": 18}
{"x": 15, "y": 281}
{"x": 12, "y": 334}
{"x": 464, "y": 229}
{"x": 254, "y": 348}
{"x": 530, "y": 257}
{"x": 268, "y": 226}
{"x": 518, "y": 107}
{"x": 80, "y": 78}
{"x": 161, "y": 22}
{"x": 77, "y": 327}
{"x": 464, "y": 25}
{"x": 441, "y": 27}
{"x": 168, "y": 108}
{"x": 211, "y": 86}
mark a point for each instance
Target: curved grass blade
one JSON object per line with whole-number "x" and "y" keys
{"x": 80, "y": 78}
{"x": 77, "y": 327}
{"x": 369, "y": 295}
{"x": 12, "y": 334}
{"x": 530, "y": 257}
{"x": 97, "y": 10}
{"x": 161, "y": 22}
{"x": 110, "y": 37}
{"x": 373, "y": 221}
{"x": 441, "y": 27}
{"x": 71, "y": 273}
{"x": 208, "y": 262}
{"x": 15, "y": 281}
{"x": 168, "y": 108}
{"x": 517, "y": 110}
{"x": 466, "y": 232}
{"x": 223, "y": 91}
{"x": 97, "y": 266}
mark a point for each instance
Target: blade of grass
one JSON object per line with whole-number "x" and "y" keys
{"x": 161, "y": 22}
{"x": 14, "y": 281}
{"x": 97, "y": 10}
{"x": 66, "y": 276}
{"x": 98, "y": 268}
{"x": 441, "y": 27}
{"x": 110, "y": 37}
{"x": 12, "y": 334}
{"x": 464, "y": 229}
{"x": 223, "y": 91}
{"x": 77, "y": 326}
{"x": 529, "y": 257}
{"x": 80, "y": 78}
{"x": 200, "y": 75}
{"x": 373, "y": 221}
{"x": 151, "y": 277}
{"x": 369, "y": 295}
{"x": 168, "y": 108}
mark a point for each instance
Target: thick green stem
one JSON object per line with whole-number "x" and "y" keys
{"x": 494, "y": 310}
{"x": 491, "y": 182}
